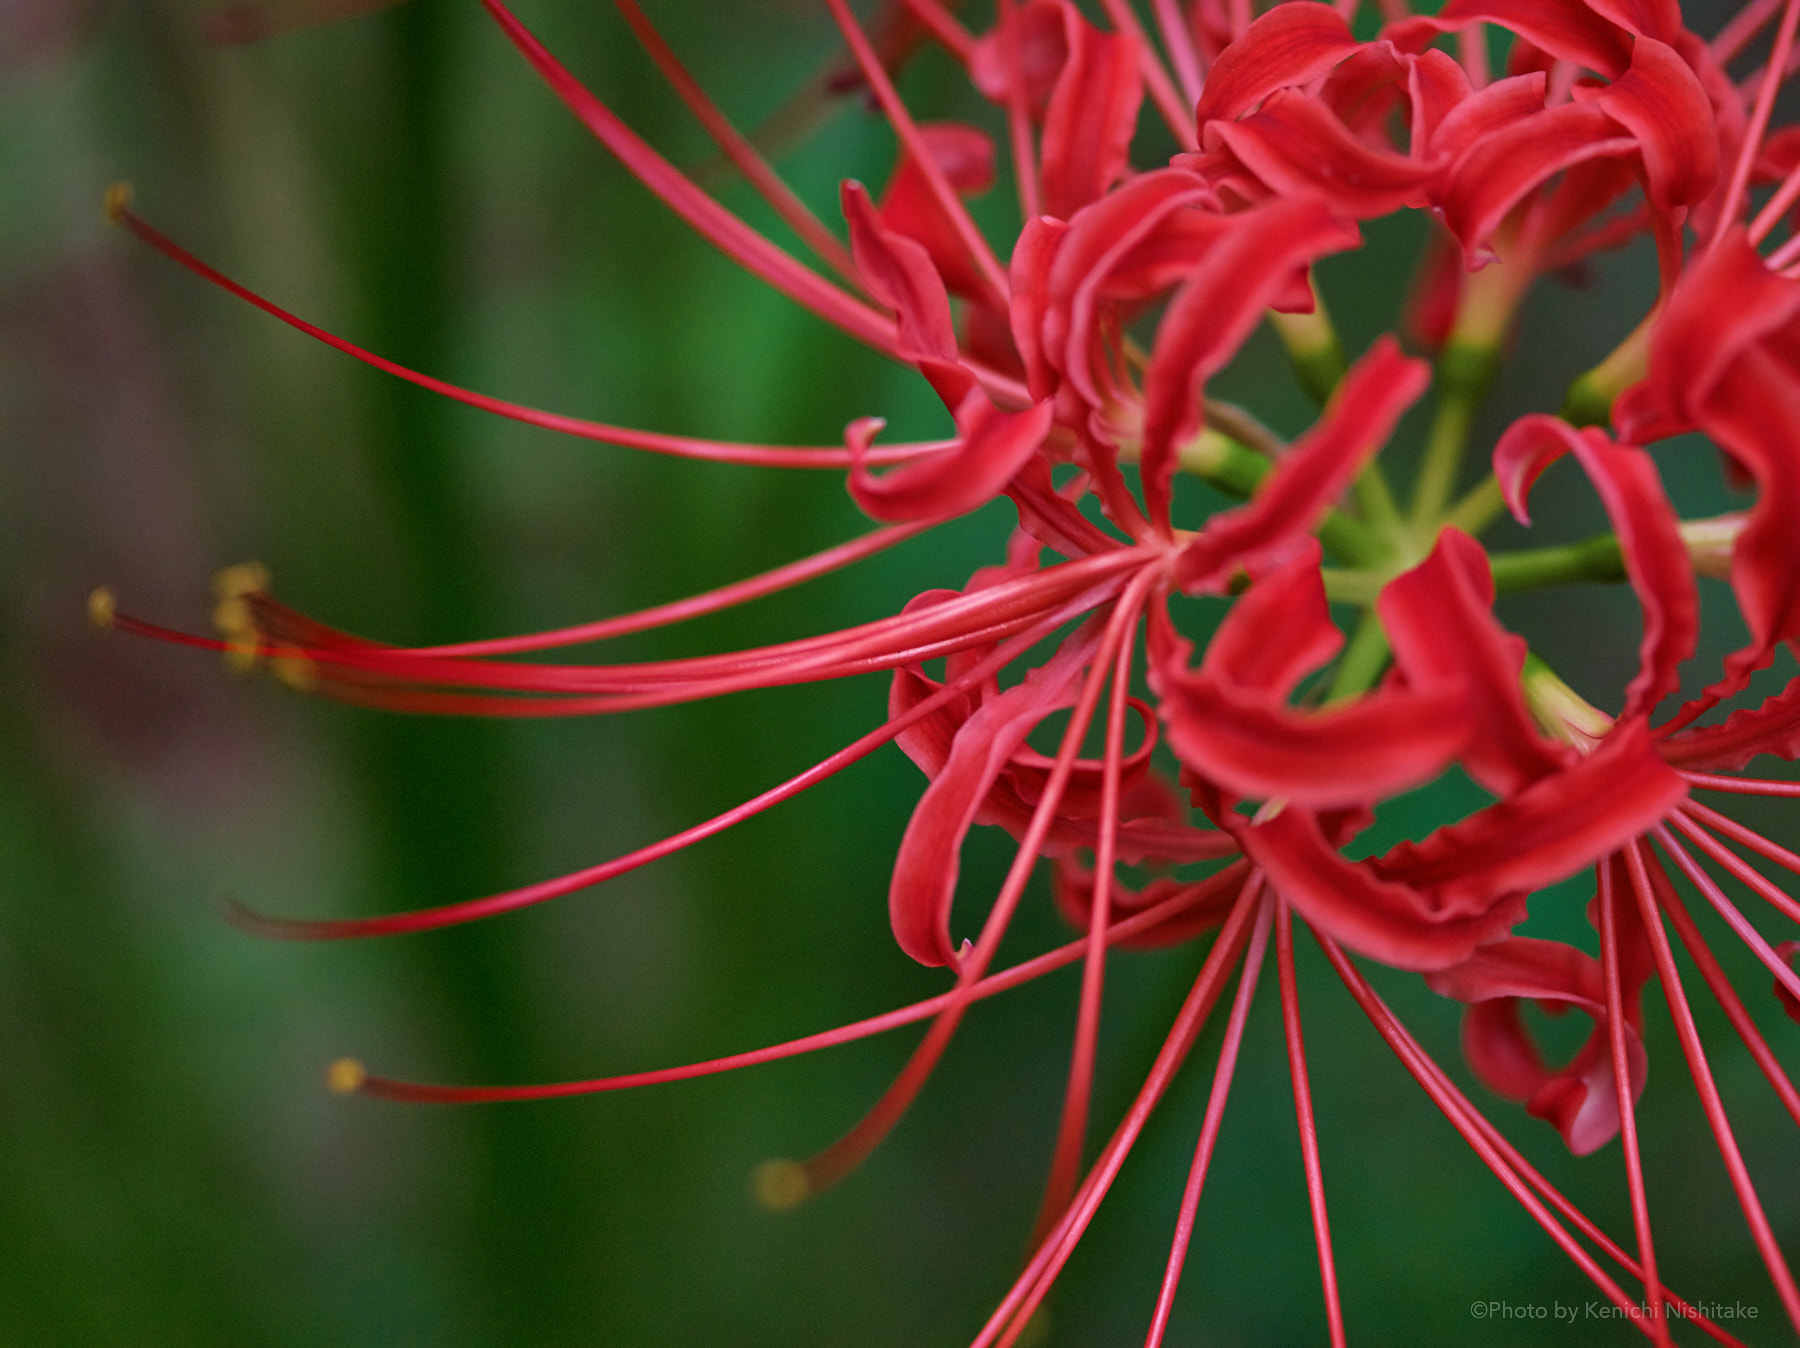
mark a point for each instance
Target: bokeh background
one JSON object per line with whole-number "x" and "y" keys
{"x": 172, "y": 1170}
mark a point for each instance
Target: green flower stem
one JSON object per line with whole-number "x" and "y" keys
{"x": 1237, "y": 470}
{"x": 1595, "y": 559}
{"x": 1479, "y": 508}
{"x": 1590, "y": 398}
{"x": 1465, "y": 370}
{"x": 1313, "y": 348}
{"x": 1365, "y": 657}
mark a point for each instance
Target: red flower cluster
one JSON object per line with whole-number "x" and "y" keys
{"x": 1076, "y": 375}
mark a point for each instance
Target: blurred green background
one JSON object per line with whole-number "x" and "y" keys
{"x": 172, "y": 1170}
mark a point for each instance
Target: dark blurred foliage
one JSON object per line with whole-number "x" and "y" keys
{"x": 174, "y": 1172}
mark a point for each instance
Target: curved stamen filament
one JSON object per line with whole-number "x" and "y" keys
{"x": 625, "y": 437}
{"x": 695, "y": 606}
{"x": 1209, "y": 1126}
{"x": 1729, "y": 1001}
{"x": 717, "y": 225}
{"x": 1774, "y": 73}
{"x": 993, "y": 275}
{"x": 736, "y": 147}
{"x": 829, "y": 1166}
{"x": 1708, "y": 1090}
{"x": 1626, "y": 1103}
{"x": 1303, "y": 1113}
{"x": 1500, "y": 1156}
{"x": 1726, "y": 909}
{"x": 389, "y": 1088}
{"x": 471, "y": 909}
{"x": 1028, "y": 1291}
{"x": 1071, "y": 1134}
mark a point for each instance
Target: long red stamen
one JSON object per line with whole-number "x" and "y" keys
{"x": 1742, "y": 29}
{"x": 1209, "y": 1126}
{"x": 1773, "y": 75}
{"x": 1753, "y": 840}
{"x": 1183, "y": 55}
{"x": 1708, "y": 1090}
{"x": 389, "y": 1088}
{"x": 830, "y": 1165}
{"x": 679, "y": 446}
{"x": 1458, "y": 1110}
{"x": 1018, "y": 114}
{"x": 1071, "y": 1133}
{"x": 1627, "y": 1105}
{"x": 993, "y": 275}
{"x": 1742, "y": 786}
{"x": 1303, "y": 1113}
{"x": 736, "y": 147}
{"x": 1726, "y": 909}
{"x": 695, "y": 606}
{"x": 471, "y": 909}
{"x": 401, "y": 678}
{"x": 1028, "y": 1291}
{"x": 1176, "y": 113}
{"x": 945, "y": 27}
{"x": 717, "y": 225}
{"x": 1716, "y": 979}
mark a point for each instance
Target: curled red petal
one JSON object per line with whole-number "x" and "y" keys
{"x": 1787, "y": 950}
{"x": 899, "y": 272}
{"x": 1037, "y": 48}
{"x": 1660, "y": 101}
{"x": 1278, "y": 631}
{"x": 1395, "y": 923}
{"x": 1549, "y": 830}
{"x": 965, "y": 156}
{"x": 1501, "y": 104}
{"x": 1565, "y": 29}
{"x": 991, "y": 447}
{"x": 1315, "y": 471}
{"x": 1297, "y": 144}
{"x": 1033, "y": 259}
{"x": 1250, "y": 265}
{"x": 1649, "y": 537}
{"x": 925, "y": 869}
{"x": 1754, "y": 415}
{"x": 1378, "y": 745}
{"x": 1131, "y": 244}
{"x": 1092, "y": 115}
{"x": 1578, "y": 1099}
{"x": 1771, "y": 728}
{"x": 1727, "y": 302}
{"x": 1497, "y": 172}
{"x": 1438, "y": 618}
{"x": 1293, "y": 43}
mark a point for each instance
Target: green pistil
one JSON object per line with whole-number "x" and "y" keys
{"x": 1590, "y": 399}
{"x": 1365, "y": 657}
{"x": 1465, "y": 371}
{"x": 1595, "y": 559}
{"x": 1237, "y": 470}
{"x": 1313, "y": 348}
{"x": 1480, "y": 507}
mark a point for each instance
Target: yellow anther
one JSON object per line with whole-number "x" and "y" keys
{"x": 116, "y": 201}
{"x": 295, "y": 669}
{"x": 103, "y": 608}
{"x": 345, "y": 1076}
{"x": 780, "y": 1185}
{"x": 234, "y": 582}
{"x": 241, "y": 652}
{"x": 233, "y": 617}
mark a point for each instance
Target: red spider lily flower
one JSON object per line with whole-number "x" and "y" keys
{"x": 1075, "y": 373}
